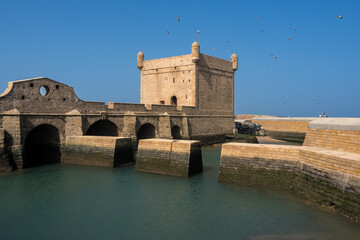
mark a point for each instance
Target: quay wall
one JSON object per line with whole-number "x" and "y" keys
{"x": 170, "y": 157}
{"x": 327, "y": 177}
{"x": 334, "y": 133}
{"x": 97, "y": 151}
{"x": 284, "y": 126}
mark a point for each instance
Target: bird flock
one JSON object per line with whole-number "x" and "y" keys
{"x": 274, "y": 57}
{"x": 207, "y": 42}
{"x": 315, "y": 100}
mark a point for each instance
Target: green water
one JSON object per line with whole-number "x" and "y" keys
{"x": 77, "y": 202}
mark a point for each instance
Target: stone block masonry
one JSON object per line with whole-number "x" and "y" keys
{"x": 97, "y": 151}
{"x": 171, "y": 157}
{"x": 334, "y": 133}
{"x": 182, "y": 97}
{"x": 2, "y": 137}
{"x": 327, "y": 177}
{"x": 3, "y": 160}
{"x": 284, "y": 126}
{"x": 6, "y": 157}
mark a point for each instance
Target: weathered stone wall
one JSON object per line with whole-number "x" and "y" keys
{"x": 202, "y": 86}
{"x": 12, "y": 124}
{"x": 207, "y": 84}
{"x": 23, "y": 95}
{"x": 286, "y": 125}
{"x": 3, "y": 161}
{"x": 333, "y": 139}
{"x": 170, "y": 157}
{"x": 341, "y": 169}
{"x": 215, "y": 78}
{"x": 327, "y": 177}
{"x": 166, "y": 77}
{"x": 334, "y": 133}
{"x": 205, "y": 125}
{"x": 97, "y": 151}
{"x": 2, "y": 138}
{"x": 6, "y": 158}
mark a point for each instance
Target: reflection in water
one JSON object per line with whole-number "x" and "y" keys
{"x": 75, "y": 202}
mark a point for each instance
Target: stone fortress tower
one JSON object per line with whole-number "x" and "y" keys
{"x": 182, "y": 97}
{"x": 195, "y": 80}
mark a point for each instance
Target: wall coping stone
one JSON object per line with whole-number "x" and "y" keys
{"x": 342, "y": 124}
{"x": 304, "y": 119}
{"x": 159, "y": 140}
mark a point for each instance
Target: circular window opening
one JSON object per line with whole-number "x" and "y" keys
{"x": 44, "y": 91}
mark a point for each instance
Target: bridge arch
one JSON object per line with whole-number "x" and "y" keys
{"x": 176, "y": 132}
{"x": 146, "y": 131}
{"x": 103, "y": 128}
{"x": 42, "y": 146}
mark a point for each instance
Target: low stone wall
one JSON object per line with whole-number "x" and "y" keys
{"x": 171, "y": 157}
{"x": 334, "y": 133}
{"x": 97, "y": 151}
{"x": 327, "y": 177}
{"x": 277, "y": 126}
{"x": 246, "y": 163}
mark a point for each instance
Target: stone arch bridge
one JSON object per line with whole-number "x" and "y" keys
{"x": 38, "y": 114}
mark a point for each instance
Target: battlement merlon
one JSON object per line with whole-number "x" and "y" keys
{"x": 177, "y": 62}
{"x": 169, "y": 62}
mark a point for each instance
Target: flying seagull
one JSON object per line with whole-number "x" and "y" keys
{"x": 293, "y": 28}
{"x": 289, "y": 38}
{"x": 267, "y": 65}
{"x": 273, "y": 56}
{"x": 339, "y": 17}
{"x": 179, "y": 18}
{"x": 168, "y": 33}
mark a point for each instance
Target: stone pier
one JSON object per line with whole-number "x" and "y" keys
{"x": 97, "y": 151}
{"x": 325, "y": 170}
{"x": 171, "y": 157}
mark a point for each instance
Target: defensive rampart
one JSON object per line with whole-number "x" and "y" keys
{"x": 29, "y": 116}
{"x": 322, "y": 171}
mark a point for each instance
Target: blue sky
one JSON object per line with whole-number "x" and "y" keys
{"x": 92, "y": 46}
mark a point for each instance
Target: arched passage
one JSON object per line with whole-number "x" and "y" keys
{"x": 42, "y": 146}
{"x": 146, "y": 131}
{"x": 175, "y": 132}
{"x": 102, "y": 128}
{"x": 173, "y": 100}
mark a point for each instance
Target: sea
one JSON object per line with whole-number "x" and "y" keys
{"x": 60, "y": 201}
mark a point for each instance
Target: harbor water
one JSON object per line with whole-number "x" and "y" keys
{"x": 76, "y": 202}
